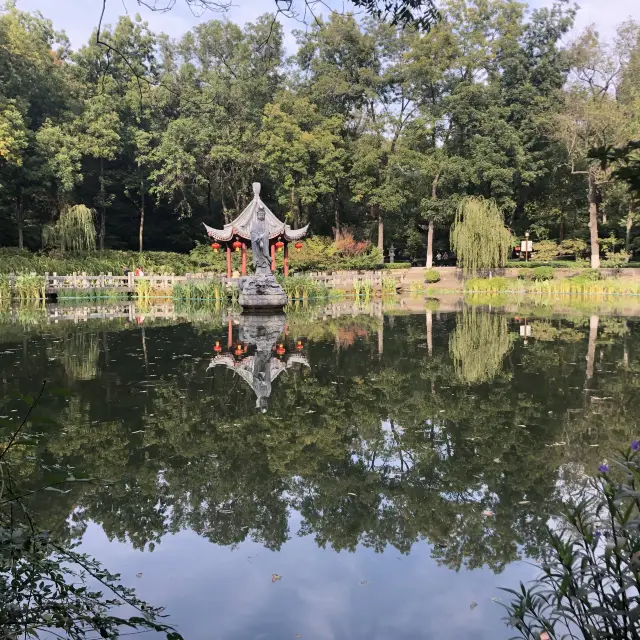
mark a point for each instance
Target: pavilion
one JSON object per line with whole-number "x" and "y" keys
{"x": 237, "y": 234}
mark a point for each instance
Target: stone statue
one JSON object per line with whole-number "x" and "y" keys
{"x": 260, "y": 244}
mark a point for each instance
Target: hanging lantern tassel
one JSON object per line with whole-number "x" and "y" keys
{"x": 298, "y": 246}
{"x": 279, "y": 245}
{"x": 215, "y": 246}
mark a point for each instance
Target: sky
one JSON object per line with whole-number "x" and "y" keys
{"x": 79, "y": 17}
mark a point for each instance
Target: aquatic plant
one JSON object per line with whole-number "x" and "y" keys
{"x": 302, "y": 288}
{"x": 200, "y": 290}
{"x": 29, "y": 287}
{"x": 590, "y": 583}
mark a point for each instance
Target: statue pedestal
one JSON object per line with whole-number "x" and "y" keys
{"x": 262, "y": 292}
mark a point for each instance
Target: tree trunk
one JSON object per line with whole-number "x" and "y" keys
{"x": 430, "y": 245}
{"x": 103, "y": 212}
{"x": 434, "y": 196}
{"x": 19, "y": 222}
{"x": 336, "y": 213}
{"x": 591, "y": 350}
{"x": 593, "y": 223}
{"x": 293, "y": 207}
{"x": 380, "y": 230}
{"x": 627, "y": 237}
{"x": 140, "y": 233}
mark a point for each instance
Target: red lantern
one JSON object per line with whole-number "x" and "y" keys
{"x": 298, "y": 246}
{"x": 239, "y": 351}
{"x": 217, "y": 348}
{"x": 281, "y": 350}
{"x": 215, "y": 246}
{"x": 279, "y": 245}
{"x": 299, "y": 346}
{"x": 236, "y": 245}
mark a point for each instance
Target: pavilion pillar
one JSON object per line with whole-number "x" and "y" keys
{"x": 230, "y": 334}
{"x": 286, "y": 258}
{"x": 228, "y": 260}
{"x": 273, "y": 257}
{"x": 244, "y": 259}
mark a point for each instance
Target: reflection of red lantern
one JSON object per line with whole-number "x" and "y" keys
{"x": 237, "y": 244}
{"x": 279, "y": 245}
{"x": 239, "y": 351}
{"x": 298, "y": 246}
{"x": 299, "y": 346}
{"x": 215, "y": 246}
{"x": 217, "y": 348}
{"x": 281, "y": 350}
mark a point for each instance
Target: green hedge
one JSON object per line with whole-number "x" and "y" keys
{"x": 318, "y": 254}
{"x": 566, "y": 264}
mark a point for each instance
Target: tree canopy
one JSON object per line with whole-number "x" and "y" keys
{"x": 369, "y": 126}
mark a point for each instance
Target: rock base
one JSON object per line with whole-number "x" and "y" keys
{"x": 262, "y": 293}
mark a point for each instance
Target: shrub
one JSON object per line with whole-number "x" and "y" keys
{"x": 525, "y": 274}
{"x": 346, "y": 245}
{"x": 431, "y": 276}
{"x": 397, "y": 265}
{"x": 588, "y": 275}
{"x": 540, "y": 274}
{"x": 546, "y": 250}
{"x": 574, "y": 246}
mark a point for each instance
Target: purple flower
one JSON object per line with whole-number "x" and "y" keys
{"x": 597, "y": 533}
{"x": 635, "y": 445}
{"x": 603, "y": 468}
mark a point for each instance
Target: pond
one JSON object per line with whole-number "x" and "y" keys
{"x": 402, "y": 468}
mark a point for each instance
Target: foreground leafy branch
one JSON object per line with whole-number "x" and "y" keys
{"x": 45, "y": 585}
{"x": 589, "y": 587}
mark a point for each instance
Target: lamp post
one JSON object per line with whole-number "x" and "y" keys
{"x": 526, "y": 247}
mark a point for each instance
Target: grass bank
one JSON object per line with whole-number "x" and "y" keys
{"x": 587, "y": 284}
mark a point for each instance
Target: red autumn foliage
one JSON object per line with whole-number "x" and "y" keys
{"x": 347, "y": 245}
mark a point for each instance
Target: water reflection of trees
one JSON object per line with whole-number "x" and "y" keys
{"x": 478, "y": 344}
{"x": 397, "y": 451}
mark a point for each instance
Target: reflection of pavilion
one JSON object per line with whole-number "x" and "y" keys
{"x": 260, "y": 369}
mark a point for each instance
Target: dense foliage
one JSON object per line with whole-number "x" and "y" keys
{"x": 369, "y": 126}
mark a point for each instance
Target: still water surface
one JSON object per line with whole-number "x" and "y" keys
{"x": 404, "y": 469}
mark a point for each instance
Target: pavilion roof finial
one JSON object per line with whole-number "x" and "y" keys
{"x": 256, "y": 188}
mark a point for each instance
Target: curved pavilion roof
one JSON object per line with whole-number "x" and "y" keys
{"x": 241, "y": 226}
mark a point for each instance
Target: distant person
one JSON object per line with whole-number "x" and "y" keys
{"x": 139, "y": 271}
{"x": 125, "y": 271}
{"x": 445, "y": 257}
{"x": 438, "y": 257}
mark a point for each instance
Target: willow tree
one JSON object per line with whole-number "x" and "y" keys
{"x": 478, "y": 345}
{"x": 74, "y": 230}
{"x": 478, "y": 236}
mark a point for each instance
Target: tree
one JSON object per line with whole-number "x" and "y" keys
{"x": 593, "y": 118}
{"x": 479, "y": 237}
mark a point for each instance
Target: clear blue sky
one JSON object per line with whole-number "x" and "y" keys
{"x": 79, "y": 17}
